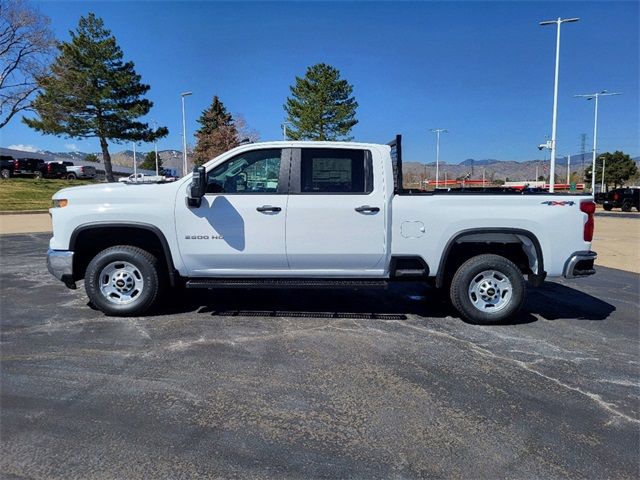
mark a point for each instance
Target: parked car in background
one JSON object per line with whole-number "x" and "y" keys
{"x": 36, "y": 168}
{"x": 78, "y": 171}
{"x": 6, "y": 166}
{"x": 624, "y": 198}
{"x": 142, "y": 178}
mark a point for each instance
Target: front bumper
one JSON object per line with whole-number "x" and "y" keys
{"x": 580, "y": 264}
{"x": 60, "y": 265}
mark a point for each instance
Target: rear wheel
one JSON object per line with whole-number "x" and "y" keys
{"x": 37, "y": 175}
{"x": 626, "y": 206}
{"x": 487, "y": 289}
{"x": 5, "y": 173}
{"x": 71, "y": 176}
{"x": 123, "y": 280}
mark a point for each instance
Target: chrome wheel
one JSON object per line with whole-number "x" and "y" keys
{"x": 121, "y": 282}
{"x": 490, "y": 291}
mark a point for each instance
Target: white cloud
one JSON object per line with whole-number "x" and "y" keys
{"x": 71, "y": 146}
{"x": 24, "y": 148}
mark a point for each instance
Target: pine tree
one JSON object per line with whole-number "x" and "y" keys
{"x": 321, "y": 106}
{"x": 618, "y": 168}
{"x": 217, "y": 134}
{"x": 92, "y": 92}
{"x": 149, "y": 162}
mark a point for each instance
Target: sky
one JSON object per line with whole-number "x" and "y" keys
{"x": 482, "y": 70}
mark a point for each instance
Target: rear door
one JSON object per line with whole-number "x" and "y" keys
{"x": 336, "y": 213}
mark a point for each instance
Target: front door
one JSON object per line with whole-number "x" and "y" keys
{"x": 336, "y": 214}
{"x": 239, "y": 229}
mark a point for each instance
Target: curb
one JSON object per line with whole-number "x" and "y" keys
{"x": 22, "y": 212}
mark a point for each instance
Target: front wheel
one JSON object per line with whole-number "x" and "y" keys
{"x": 37, "y": 175}
{"x": 487, "y": 289}
{"x": 626, "y": 207}
{"x": 71, "y": 176}
{"x": 123, "y": 280}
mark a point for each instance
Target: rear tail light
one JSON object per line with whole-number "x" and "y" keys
{"x": 588, "y": 207}
{"x": 616, "y": 197}
{"x": 82, "y": 169}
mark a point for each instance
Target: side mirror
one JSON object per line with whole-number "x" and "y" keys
{"x": 198, "y": 187}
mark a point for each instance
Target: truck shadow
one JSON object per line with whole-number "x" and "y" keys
{"x": 552, "y": 301}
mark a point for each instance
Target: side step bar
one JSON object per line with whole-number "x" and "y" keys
{"x": 283, "y": 283}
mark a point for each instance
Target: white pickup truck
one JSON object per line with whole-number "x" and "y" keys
{"x": 314, "y": 215}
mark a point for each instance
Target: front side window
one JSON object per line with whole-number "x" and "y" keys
{"x": 325, "y": 170}
{"x": 250, "y": 172}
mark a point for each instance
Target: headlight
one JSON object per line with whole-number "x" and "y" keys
{"x": 59, "y": 202}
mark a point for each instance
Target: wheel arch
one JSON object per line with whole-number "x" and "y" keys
{"x": 90, "y": 238}
{"x": 492, "y": 236}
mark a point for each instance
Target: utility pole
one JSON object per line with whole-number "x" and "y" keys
{"x": 558, "y": 23}
{"x": 438, "y": 131}
{"x": 184, "y": 135}
{"x": 583, "y": 143}
{"x": 155, "y": 145}
{"x": 482, "y": 177}
{"x": 596, "y": 96}
{"x": 569, "y": 170}
{"x": 284, "y": 130}
{"x": 135, "y": 164}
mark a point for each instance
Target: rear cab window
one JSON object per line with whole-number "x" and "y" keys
{"x": 333, "y": 171}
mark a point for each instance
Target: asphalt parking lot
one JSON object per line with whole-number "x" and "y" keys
{"x": 316, "y": 384}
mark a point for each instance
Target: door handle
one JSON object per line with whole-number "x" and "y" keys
{"x": 268, "y": 208}
{"x": 367, "y": 209}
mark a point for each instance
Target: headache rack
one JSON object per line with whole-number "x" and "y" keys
{"x": 396, "y": 162}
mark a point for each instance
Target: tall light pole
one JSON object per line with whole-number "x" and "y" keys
{"x": 558, "y": 22}
{"x": 438, "y": 131}
{"x": 284, "y": 130}
{"x": 155, "y": 145}
{"x": 592, "y": 96}
{"x": 184, "y": 135}
{"x": 135, "y": 164}
{"x": 569, "y": 170}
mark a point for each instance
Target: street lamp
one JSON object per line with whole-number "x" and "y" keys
{"x": 438, "y": 131}
{"x": 591, "y": 96}
{"x": 155, "y": 144}
{"x": 184, "y": 135}
{"x": 557, "y": 22}
{"x": 284, "y": 130}
{"x": 135, "y": 163}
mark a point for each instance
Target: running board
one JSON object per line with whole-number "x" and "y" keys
{"x": 283, "y": 283}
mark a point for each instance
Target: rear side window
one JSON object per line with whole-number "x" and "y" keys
{"x": 327, "y": 170}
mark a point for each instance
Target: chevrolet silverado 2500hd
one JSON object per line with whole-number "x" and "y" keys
{"x": 314, "y": 214}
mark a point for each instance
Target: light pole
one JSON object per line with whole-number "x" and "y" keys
{"x": 184, "y": 135}
{"x": 135, "y": 164}
{"x": 438, "y": 131}
{"x": 155, "y": 145}
{"x": 591, "y": 96}
{"x": 558, "y": 22}
{"x": 284, "y": 130}
{"x": 569, "y": 170}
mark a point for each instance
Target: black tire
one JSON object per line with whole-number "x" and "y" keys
{"x": 71, "y": 176}
{"x": 37, "y": 175}
{"x": 146, "y": 270}
{"x": 5, "y": 173}
{"x": 626, "y": 207}
{"x": 608, "y": 208}
{"x": 507, "y": 297}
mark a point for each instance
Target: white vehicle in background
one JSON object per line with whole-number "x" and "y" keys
{"x": 142, "y": 178}
{"x": 78, "y": 171}
{"x": 315, "y": 215}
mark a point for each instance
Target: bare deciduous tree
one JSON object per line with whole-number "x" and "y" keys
{"x": 26, "y": 48}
